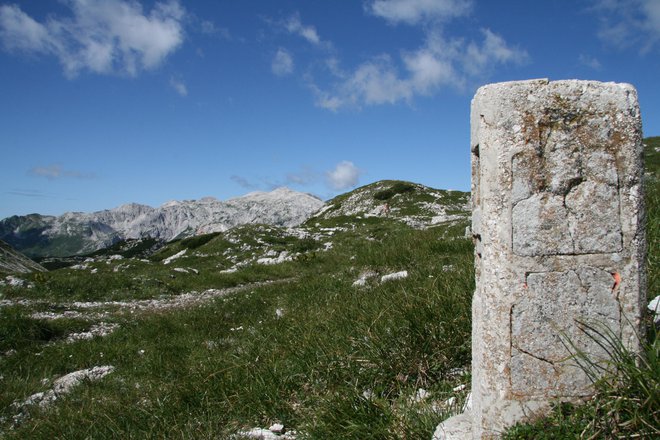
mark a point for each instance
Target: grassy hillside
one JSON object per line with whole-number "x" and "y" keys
{"x": 215, "y": 335}
{"x": 413, "y": 204}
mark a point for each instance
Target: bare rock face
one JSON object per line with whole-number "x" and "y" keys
{"x": 558, "y": 228}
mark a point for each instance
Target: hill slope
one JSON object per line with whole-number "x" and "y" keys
{"x": 416, "y": 205}
{"x": 12, "y": 261}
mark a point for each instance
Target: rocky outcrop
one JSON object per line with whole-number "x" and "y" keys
{"x": 12, "y": 261}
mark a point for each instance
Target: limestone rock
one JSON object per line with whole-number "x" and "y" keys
{"x": 559, "y": 241}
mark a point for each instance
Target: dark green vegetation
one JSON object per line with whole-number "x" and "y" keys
{"x": 396, "y": 188}
{"x": 309, "y": 349}
{"x": 627, "y": 404}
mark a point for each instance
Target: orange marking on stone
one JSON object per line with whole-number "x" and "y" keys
{"x": 617, "y": 280}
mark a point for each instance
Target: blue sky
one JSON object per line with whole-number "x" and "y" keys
{"x": 105, "y": 102}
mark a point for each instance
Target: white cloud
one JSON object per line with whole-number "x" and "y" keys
{"x": 493, "y": 50}
{"x": 590, "y": 62}
{"x": 414, "y": 11}
{"x": 103, "y": 36}
{"x": 295, "y": 26}
{"x": 344, "y": 176}
{"x": 629, "y": 23}
{"x": 54, "y": 171}
{"x": 209, "y": 28}
{"x": 179, "y": 86}
{"x": 19, "y": 31}
{"x": 282, "y": 63}
{"x": 438, "y": 63}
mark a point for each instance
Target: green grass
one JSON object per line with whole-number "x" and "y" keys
{"x": 312, "y": 351}
{"x": 338, "y": 362}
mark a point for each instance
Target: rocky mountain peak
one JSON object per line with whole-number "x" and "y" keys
{"x": 76, "y": 233}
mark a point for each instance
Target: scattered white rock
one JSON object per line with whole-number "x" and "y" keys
{"x": 180, "y": 269}
{"x": 279, "y": 313}
{"x": 64, "y": 385}
{"x": 101, "y": 329}
{"x": 114, "y": 257}
{"x": 364, "y": 276}
{"x": 70, "y": 314}
{"x": 168, "y": 260}
{"x": 277, "y": 428}
{"x": 394, "y": 276}
{"x": 654, "y": 308}
{"x": 281, "y": 258}
{"x": 420, "y": 396}
{"x": 268, "y": 434}
{"x": 15, "y": 281}
{"x": 79, "y": 266}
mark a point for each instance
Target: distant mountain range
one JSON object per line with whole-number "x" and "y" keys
{"x": 75, "y": 233}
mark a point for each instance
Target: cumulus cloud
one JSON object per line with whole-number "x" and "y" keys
{"x": 54, "y": 171}
{"x": 294, "y": 26}
{"x": 282, "y": 63}
{"x": 629, "y": 23}
{"x": 102, "y": 36}
{"x": 589, "y": 62}
{"x": 345, "y": 175}
{"x": 439, "y": 62}
{"x": 415, "y": 11}
{"x": 179, "y": 86}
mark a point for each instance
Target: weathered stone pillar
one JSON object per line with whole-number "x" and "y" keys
{"x": 558, "y": 227}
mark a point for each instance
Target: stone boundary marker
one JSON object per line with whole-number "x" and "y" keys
{"x": 559, "y": 239}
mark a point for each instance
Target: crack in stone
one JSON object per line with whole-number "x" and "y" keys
{"x": 542, "y": 359}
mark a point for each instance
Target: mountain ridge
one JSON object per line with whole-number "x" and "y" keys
{"x": 78, "y": 233}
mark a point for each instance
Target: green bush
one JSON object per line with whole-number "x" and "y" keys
{"x": 396, "y": 188}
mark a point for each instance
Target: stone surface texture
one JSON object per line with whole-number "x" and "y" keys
{"x": 559, "y": 240}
